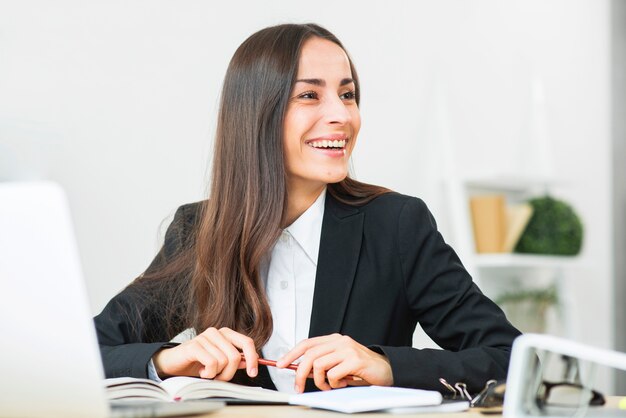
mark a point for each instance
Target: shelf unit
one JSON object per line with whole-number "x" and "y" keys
{"x": 485, "y": 261}
{"x": 500, "y": 272}
{"x": 515, "y": 190}
{"x": 495, "y": 273}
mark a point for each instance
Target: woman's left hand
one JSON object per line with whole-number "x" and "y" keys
{"x": 333, "y": 357}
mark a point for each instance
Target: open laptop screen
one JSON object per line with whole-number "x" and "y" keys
{"x": 50, "y": 363}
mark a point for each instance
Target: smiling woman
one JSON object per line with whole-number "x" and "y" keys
{"x": 291, "y": 257}
{"x": 321, "y": 123}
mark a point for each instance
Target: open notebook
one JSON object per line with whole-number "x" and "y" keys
{"x": 50, "y": 362}
{"x": 348, "y": 400}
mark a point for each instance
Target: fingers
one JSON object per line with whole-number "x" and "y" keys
{"x": 302, "y": 347}
{"x": 212, "y": 359}
{"x": 337, "y": 372}
{"x": 247, "y": 346}
{"x": 330, "y": 359}
{"x": 313, "y": 360}
{"x": 227, "y": 355}
{"x": 214, "y": 354}
{"x": 330, "y": 371}
{"x": 306, "y": 367}
{"x": 320, "y": 366}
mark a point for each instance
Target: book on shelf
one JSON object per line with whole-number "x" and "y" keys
{"x": 517, "y": 218}
{"x": 183, "y": 388}
{"x": 489, "y": 222}
{"x": 497, "y": 226}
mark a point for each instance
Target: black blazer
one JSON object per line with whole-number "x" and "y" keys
{"x": 382, "y": 268}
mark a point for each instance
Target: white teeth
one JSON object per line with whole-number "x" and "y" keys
{"x": 328, "y": 144}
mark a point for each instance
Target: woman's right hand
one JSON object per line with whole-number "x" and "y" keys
{"x": 214, "y": 354}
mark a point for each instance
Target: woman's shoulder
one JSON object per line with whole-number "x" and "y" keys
{"x": 388, "y": 210}
{"x": 192, "y": 209}
{"x": 188, "y": 214}
{"x": 394, "y": 202}
{"x": 180, "y": 231}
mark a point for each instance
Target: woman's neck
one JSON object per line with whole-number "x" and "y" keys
{"x": 299, "y": 199}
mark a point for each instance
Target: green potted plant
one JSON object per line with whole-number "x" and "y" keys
{"x": 553, "y": 229}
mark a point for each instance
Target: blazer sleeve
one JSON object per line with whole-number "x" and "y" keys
{"x": 473, "y": 331}
{"x": 132, "y": 326}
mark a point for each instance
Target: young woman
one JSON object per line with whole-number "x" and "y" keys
{"x": 291, "y": 259}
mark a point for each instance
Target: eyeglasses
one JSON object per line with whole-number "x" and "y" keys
{"x": 567, "y": 394}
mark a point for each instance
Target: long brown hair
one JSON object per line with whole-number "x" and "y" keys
{"x": 241, "y": 220}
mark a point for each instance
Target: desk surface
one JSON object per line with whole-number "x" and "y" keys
{"x": 288, "y": 411}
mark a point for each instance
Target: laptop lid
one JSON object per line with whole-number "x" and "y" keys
{"x": 537, "y": 359}
{"x": 50, "y": 363}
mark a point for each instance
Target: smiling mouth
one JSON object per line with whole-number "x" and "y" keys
{"x": 337, "y": 144}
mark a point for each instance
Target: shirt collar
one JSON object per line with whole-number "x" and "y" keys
{"x": 307, "y": 229}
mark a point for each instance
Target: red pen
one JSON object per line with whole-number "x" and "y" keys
{"x": 292, "y": 366}
{"x": 272, "y": 363}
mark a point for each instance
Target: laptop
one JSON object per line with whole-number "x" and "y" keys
{"x": 50, "y": 364}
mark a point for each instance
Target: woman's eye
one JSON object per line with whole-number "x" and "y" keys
{"x": 308, "y": 95}
{"x": 351, "y": 95}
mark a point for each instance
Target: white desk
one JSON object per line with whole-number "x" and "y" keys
{"x": 287, "y": 411}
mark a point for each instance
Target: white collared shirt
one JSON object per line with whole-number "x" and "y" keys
{"x": 289, "y": 283}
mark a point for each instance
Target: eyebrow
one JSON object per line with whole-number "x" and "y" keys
{"x": 322, "y": 83}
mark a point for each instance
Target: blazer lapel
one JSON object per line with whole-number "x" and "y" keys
{"x": 340, "y": 245}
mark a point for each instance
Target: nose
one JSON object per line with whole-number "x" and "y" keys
{"x": 336, "y": 111}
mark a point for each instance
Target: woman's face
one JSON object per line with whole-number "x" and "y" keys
{"x": 322, "y": 120}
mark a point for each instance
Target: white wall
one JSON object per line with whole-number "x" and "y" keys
{"x": 116, "y": 100}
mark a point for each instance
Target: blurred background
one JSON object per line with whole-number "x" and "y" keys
{"x": 117, "y": 102}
